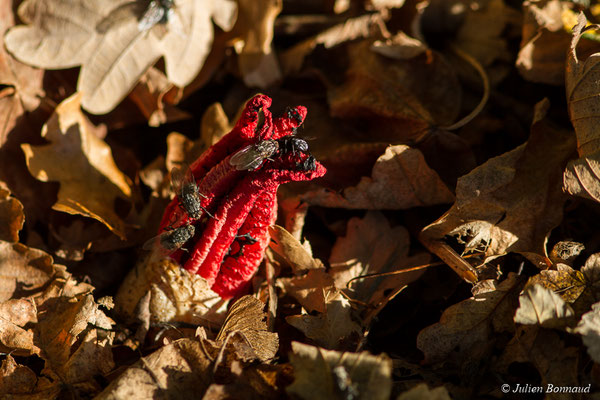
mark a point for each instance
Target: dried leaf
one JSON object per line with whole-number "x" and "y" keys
{"x": 509, "y": 203}
{"x": 248, "y": 382}
{"x": 75, "y": 338}
{"x": 566, "y": 282}
{"x": 16, "y": 379}
{"x": 392, "y": 90}
{"x": 581, "y": 84}
{"x": 12, "y": 217}
{"x": 350, "y": 29}
{"x": 257, "y": 61}
{"x": 466, "y": 329}
{"x": 178, "y": 370}
{"x": 14, "y": 337}
{"x": 175, "y": 294}
{"x": 565, "y": 252}
{"x": 480, "y": 33}
{"x": 246, "y": 317}
{"x": 64, "y": 34}
{"x": 540, "y": 306}
{"x": 214, "y": 125}
{"x": 372, "y": 246}
{"x": 24, "y": 83}
{"x": 311, "y": 290}
{"x": 83, "y": 164}
{"x": 19, "y": 381}
{"x": 400, "y": 179}
{"x": 322, "y": 374}
{"x": 332, "y": 328}
{"x": 22, "y": 269}
{"x": 399, "y": 47}
{"x": 544, "y": 43}
{"x": 150, "y": 96}
{"x": 284, "y": 244}
{"x": 581, "y": 175}
{"x": 589, "y": 329}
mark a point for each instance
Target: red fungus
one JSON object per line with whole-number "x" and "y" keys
{"x": 228, "y": 247}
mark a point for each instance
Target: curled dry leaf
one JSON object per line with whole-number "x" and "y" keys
{"x": 214, "y": 124}
{"x": 565, "y": 252}
{"x": 64, "y": 34}
{"x": 509, "y": 203}
{"x": 21, "y": 380}
{"x": 544, "y": 43}
{"x": 47, "y": 312}
{"x": 392, "y": 94}
{"x": 11, "y": 216}
{"x": 22, "y": 270}
{"x": 23, "y": 83}
{"x": 540, "y": 306}
{"x": 350, "y": 29}
{"x": 175, "y": 294}
{"x": 589, "y": 328}
{"x": 90, "y": 181}
{"x": 400, "y": 179}
{"x": 466, "y": 329}
{"x": 76, "y": 339}
{"x": 150, "y": 95}
{"x": 247, "y": 317}
{"x": 332, "y": 329}
{"x": 312, "y": 290}
{"x": 322, "y": 374}
{"x": 254, "y": 26}
{"x": 399, "y": 47}
{"x": 294, "y": 252}
{"x": 372, "y": 246}
{"x": 14, "y": 336}
{"x": 258, "y": 382}
{"x": 481, "y": 32}
{"x": 582, "y": 177}
{"x": 178, "y": 370}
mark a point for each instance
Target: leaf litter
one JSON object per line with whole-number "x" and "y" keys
{"x": 451, "y": 247}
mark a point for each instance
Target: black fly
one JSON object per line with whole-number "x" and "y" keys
{"x": 253, "y": 155}
{"x": 147, "y": 13}
{"x": 171, "y": 240}
{"x": 185, "y": 187}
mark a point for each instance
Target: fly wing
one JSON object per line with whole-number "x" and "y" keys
{"x": 246, "y": 158}
{"x": 120, "y": 15}
{"x": 180, "y": 177}
{"x": 169, "y": 241}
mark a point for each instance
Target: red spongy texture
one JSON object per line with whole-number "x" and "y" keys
{"x": 242, "y": 202}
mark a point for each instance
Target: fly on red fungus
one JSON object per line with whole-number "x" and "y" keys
{"x": 239, "y": 180}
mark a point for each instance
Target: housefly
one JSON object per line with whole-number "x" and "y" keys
{"x": 252, "y": 156}
{"x": 171, "y": 240}
{"x": 147, "y": 13}
{"x": 185, "y": 187}
{"x": 292, "y": 144}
